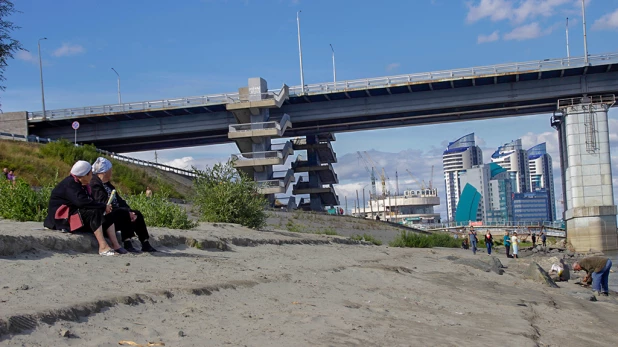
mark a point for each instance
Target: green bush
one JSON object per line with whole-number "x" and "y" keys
{"x": 327, "y": 231}
{"x": 410, "y": 239}
{"x": 158, "y": 211}
{"x": 69, "y": 153}
{"x": 367, "y": 238}
{"x": 20, "y": 202}
{"x": 225, "y": 195}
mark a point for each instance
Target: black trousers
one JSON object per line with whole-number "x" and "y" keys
{"x": 121, "y": 219}
{"x": 92, "y": 219}
{"x": 508, "y": 251}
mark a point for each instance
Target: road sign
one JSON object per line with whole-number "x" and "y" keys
{"x": 75, "y": 125}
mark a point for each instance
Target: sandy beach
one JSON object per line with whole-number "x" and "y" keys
{"x": 227, "y": 285}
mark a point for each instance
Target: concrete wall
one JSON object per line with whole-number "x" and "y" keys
{"x": 14, "y": 123}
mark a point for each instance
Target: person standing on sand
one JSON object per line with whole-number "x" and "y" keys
{"x": 489, "y": 241}
{"x": 544, "y": 239}
{"x": 598, "y": 268}
{"x": 533, "y": 240}
{"x": 515, "y": 242}
{"x": 473, "y": 239}
{"x": 507, "y": 244}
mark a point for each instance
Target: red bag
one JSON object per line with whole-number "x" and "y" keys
{"x": 75, "y": 220}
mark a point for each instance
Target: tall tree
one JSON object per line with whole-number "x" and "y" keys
{"x": 8, "y": 45}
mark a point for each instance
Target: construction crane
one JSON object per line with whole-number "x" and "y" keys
{"x": 371, "y": 174}
{"x": 431, "y": 181}
{"x": 383, "y": 176}
{"x": 422, "y": 186}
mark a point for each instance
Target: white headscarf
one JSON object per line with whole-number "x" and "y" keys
{"x": 81, "y": 168}
{"x": 101, "y": 165}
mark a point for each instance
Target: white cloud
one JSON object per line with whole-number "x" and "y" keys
{"x": 26, "y": 56}
{"x": 514, "y": 11}
{"x": 608, "y": 21}
{"x": 392, "y": 66}
{"x": 526, "y": 32}
{"x": 68, "y": 49}
{"x": 488, "y": 38}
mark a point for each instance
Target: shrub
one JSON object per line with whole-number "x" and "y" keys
{"x": 410, "y": 239}
{"x": 22, "y": 203}
{"x": 367, "y": 238}
{"x": 225, "y": 195}
{"x": 158, "y": 211}
{"x": 327, "y": 231}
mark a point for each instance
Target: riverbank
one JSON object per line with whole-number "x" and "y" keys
{"x": 227, "y": 285}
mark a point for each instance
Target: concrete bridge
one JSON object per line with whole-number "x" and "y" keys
{"x": 579, "y": 95}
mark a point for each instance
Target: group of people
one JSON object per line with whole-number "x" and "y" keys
{"x": 510, "y": 242}
{"x": 87, "y": 201}
{"x": 9, "y": 174}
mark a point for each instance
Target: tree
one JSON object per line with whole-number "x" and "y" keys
{"x": 8, "y": 45}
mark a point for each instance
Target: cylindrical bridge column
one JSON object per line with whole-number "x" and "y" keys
{"x": 591, "y": 214}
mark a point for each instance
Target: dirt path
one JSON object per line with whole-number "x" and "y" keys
{"x": 282, "y": 295}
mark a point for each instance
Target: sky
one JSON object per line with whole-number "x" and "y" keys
{"x": 164, "y": 49}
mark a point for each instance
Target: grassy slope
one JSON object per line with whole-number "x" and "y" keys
{"x": 39, "y": 165}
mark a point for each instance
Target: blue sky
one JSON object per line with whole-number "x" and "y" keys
{"x": 165, "y": 49}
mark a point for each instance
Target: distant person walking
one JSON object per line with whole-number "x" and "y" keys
{"x": 544, "y": 239}
{"x": 473, "y": 240}
{"x": 598, "y": 268}
{"x": 515, "y": 242}
{"x": 489, "y": 242}
{"x": 148, "y": 192}
{"x": 507, "y": 244}
{"x": 533, "y": 240}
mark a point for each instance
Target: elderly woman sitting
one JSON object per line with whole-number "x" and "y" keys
{"x": 72, "y": 208}
{"x": 130, "y": 222}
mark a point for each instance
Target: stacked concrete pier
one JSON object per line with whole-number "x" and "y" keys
{"x": 253, "y": 135}
{"x": 320, "y": 173}
{"x": 590, "y": 212}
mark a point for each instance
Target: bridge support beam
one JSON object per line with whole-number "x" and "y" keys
{"x": 590, "y": 213}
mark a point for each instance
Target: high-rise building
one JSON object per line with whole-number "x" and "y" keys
{"x": 486, "y": 196}
{"x": 514, "y": 159}
{"x": 459, "y": 155}
{"x": 542, "y": 175}
{"x": 533, "y": 207}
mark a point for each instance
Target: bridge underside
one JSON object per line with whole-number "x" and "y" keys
{"x": 443, "y": 101}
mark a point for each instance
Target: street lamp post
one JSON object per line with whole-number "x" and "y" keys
{"x": 300, "y": 54}
{"x": 585, "y": 37}
{"x": 119, "y": 97}
{"x": 41, "y": 72}
{"x": 334, "y": 69}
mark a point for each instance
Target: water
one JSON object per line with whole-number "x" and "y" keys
{"x": 613, "y": 277}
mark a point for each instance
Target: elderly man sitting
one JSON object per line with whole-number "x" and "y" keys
{"x": 130, "y": 222}
{"x": 72, "y": 208}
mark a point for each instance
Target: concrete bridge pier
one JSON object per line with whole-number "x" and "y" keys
{"x": 590, "y": 212}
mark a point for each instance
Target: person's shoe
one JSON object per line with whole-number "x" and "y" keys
{"x": 596, "y": 293}
{"x": 121, "y": 251}
{"x": 605, "y": 294}
{"x": 128, "y": 245}
{"x": 146, "y": 247}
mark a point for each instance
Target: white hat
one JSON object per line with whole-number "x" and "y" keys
{"x": 81, "y": 168}
{"x": 101, "y": 165}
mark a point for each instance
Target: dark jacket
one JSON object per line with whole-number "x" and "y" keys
{"x": 99, "y": 193}
{"x": 68, "y": 192}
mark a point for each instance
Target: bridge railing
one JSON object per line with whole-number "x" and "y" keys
{"x": 217, "y": 99}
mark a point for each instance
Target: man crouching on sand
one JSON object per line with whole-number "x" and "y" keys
{"x": 128, "y": 221}
{"x": 598, "y": 268}
{"x": 71, "y": 208}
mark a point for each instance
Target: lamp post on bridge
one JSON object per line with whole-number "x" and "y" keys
{"x": 119, "y": 97}
{"x": 334, "y": 69}
{"x": 41, "y": 72}
{"x": 300, "y": 54}
{"x": 585, "y": 37}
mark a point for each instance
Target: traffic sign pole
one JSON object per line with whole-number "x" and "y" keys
{"x": 75, "y": 126}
